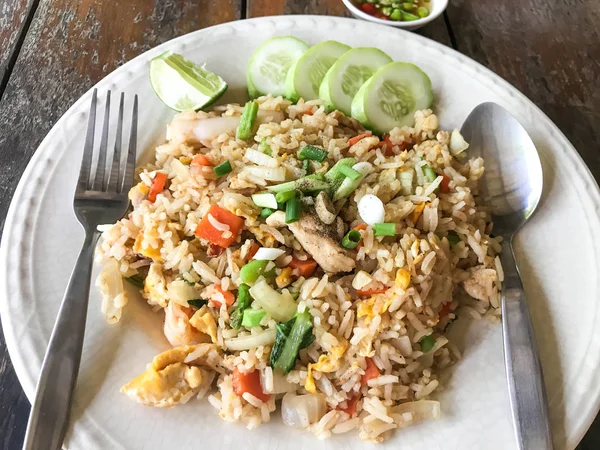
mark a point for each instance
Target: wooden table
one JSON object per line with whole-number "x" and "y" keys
{"x": 52, "y": 51}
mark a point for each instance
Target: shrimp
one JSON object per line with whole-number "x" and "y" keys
{"x": 178, "y": 329}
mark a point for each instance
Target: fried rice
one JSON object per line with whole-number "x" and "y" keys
{"x": 379, "y": 329}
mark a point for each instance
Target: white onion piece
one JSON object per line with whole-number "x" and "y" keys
{"x": 422, "y": 409}
{"x": 457, "y": 143}
{"x": 260, "y": 158}
{"x": 300, "y": 411}
{"x": 371, "y": 209}
{"x": 250, "y": 342}
{"x": 114, "y": 297}
{"x": 215, "y": 126}
{"x": 281, "y": 307}
{"x": 267, "y": 173}
{"x": 181, "y": 170}
{"x": 280, "y": 384}
{"x": 180, "y": 292}
{"x": 268, "y": 254}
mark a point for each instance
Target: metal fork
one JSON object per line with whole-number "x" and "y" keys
{"x": 100, "y": 198}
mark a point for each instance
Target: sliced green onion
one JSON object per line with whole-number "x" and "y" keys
{"x": 335, "y": 175}
{"x": 197, "y": 303}
{"x": 293, "y": 209}
{"x": 265, "y": 200}
{"x": 245, "y": 129}
{"x": 422, "y": 11}
{"x": 352, "y": 239}
{"x": 406, "y": 16}
{"x": 252, "y": 317}
{"x": 453, "y": 238}
{"x": 265, "y": 147}
{"x": 136, "y": 280}
{"x": 282, "y": 197}
{"x": 223, "y": 169}
{"x": 243, "y": 301}
{"x": 427, "y": 343}
{"x": 429, "y": 173}
{"x": 396, "y": 14}
{"x": 266, "y": 212}
{"x": 350, "y": 172}
{"x": 254, "y": 269}
{"x": 307, "y": 166}
{"x": 313, "y": 153}
{"x": 309, "y": 183}
{"x": 384, "y": 229}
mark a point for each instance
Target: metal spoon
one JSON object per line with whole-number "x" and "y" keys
{"x": 511, "y": 188}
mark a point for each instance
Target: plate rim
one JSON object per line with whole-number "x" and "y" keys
{"x": 18, "y": 361}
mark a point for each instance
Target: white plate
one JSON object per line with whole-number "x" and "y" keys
{"x": 556, "y": 251}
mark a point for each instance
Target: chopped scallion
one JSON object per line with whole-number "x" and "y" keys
{"x": 265, "y": 200}
{"x": 266, "y": 212}
{"x": 350, "y": 172}
{"x": 352, "y": 239}
{"x": 265, "y": 147}
{"x": 252, "y": 317}
{"x": 384, "y": 229}
{"x": 245, "y": 129}
{"x": 223, "y": 169}
{"x": 427, "y": 343}
{"x": 284, "y": 196}
{"x": 307, "y": 166}
{"x": 453, "y": 238}
{"x": 429, "y": 173}
{"x": 136, "y": 280}
{"x": 313, "y": 153}
{"x": 197, "y": 303}
{"x": 293, "y": 209}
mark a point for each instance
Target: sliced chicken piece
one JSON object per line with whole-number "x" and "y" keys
{"x": 174, "y": 376}
{"x": 321, "y": 241}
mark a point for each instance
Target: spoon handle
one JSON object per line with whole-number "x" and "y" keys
{"x": 523, "y": 368}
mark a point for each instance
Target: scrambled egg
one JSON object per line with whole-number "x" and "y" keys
{"x": 168, "y": 380}
{"x": 203, "y": 321}
{"x": 326, "y": 363}
{"x": 402, "y": 278}
{"x": 416, "y": 214}
{"x": 155, "y": 290}
{"x": 149, "y": 252}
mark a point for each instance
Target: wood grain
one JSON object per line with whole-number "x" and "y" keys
{"x": 13, "y": 21}
{"x": 71, "y": 45}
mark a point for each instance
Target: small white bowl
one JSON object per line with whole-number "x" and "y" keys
{"x": 437, "y": 8}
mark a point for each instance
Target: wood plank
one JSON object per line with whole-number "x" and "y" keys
{"x": 436, "y": 30}
{"x": 548, "y": 50}
{"x": 70, "y": 46}
{"x": 13, "y": 20}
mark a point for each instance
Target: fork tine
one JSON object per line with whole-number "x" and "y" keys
{"x": 99, "y": 183}
{"x": 130, "y": 165}
{"x": 114, "y": 175}
{"x": 88, "y": 148}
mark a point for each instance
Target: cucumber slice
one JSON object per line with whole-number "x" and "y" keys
{"x": 270, "y": 64}
{"x": 348, "y": 74}
{"x": 183, "y": 85}
{"x": 304, "y": 78}
{"x": 391, "y": 96}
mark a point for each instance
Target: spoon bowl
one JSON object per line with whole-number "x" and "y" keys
{"x": 512, "y": 185}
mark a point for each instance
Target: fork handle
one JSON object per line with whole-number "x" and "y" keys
{"x": 523, "y": 369}
{"x": 49, "y": 417}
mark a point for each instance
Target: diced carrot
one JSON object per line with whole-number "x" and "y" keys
{"x": 303, "y": 268}
{"x": 372, "y": 371}
{"x": 386, "y": 145}
{"x": 370, "y": 292}
{"x": 206, "y": 230}
{"x": 445, "y": 184}
{"x": 201, "y": 160}
{"x": 220, "y": 295}
{"x": 214, "y": 250}
{"x": 253, "y": 249}
{"x": 249, "y": 382}
{"x": 158, "y": 185}
{"x": 351, "y": 403}
{"x": 360, "y": 227}
{"x": 309, "y": 112}
{"x": 444, "y": 311}
{"x": 355, "y": 139}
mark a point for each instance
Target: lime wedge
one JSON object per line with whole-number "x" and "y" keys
{"x": 183, "y": 85}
